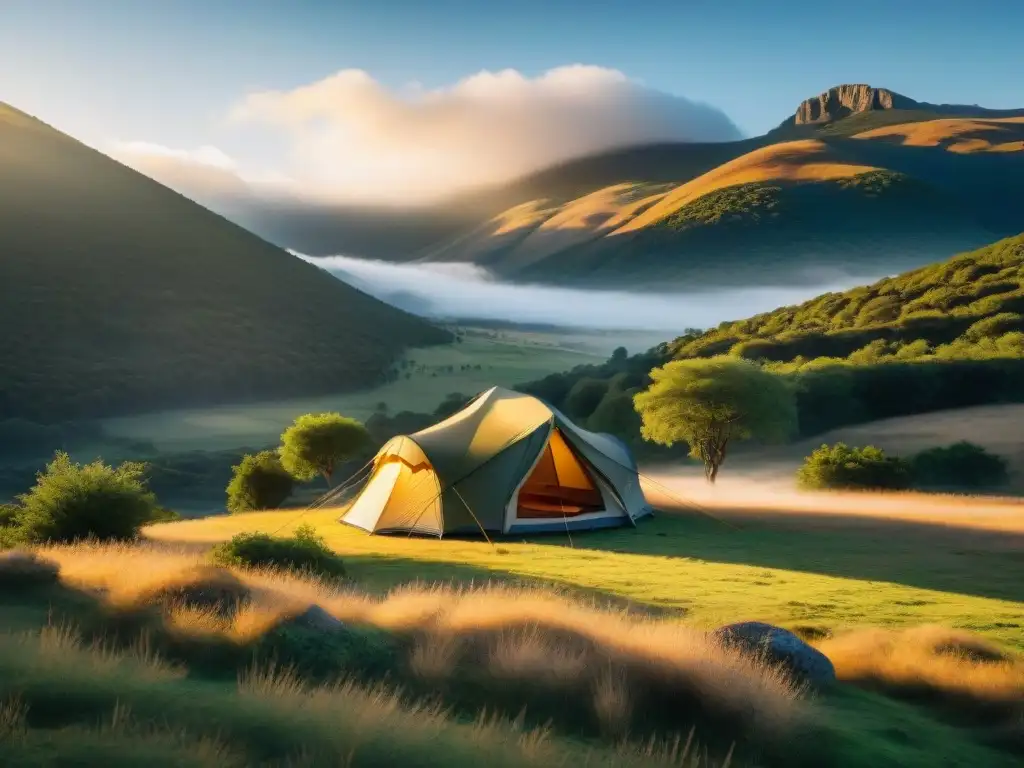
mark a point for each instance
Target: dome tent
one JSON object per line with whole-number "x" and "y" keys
{"x": 506, "y": 463}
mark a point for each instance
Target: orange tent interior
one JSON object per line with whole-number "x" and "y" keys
{"x": 560, "y": 485}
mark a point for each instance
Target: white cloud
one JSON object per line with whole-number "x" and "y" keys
{"x": 204, "y": 156}
{"x": 353, "y": 138}
{"x": 207, "y": 174}
{"x": 349, "y": 138}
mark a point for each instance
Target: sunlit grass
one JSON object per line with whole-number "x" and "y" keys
{"x": 707, "y": 572}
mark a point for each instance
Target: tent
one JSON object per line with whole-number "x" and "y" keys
{"x": 506, "y": 463}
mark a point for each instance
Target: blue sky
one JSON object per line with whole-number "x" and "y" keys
{"x": 168, "y": 72}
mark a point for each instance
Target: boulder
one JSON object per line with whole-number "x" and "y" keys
{"x": 316, "y": 619}
{"x": 779, "y": 646}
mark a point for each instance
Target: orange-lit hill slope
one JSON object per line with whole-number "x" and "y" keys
{"x": 784, "y": 212}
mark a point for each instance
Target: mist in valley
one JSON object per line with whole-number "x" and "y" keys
{"x": 462, "y": 291}
{"x": 748, "y": 493}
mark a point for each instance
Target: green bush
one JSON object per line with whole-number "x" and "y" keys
{"x": 842, "y": 467}
{"x": 962, "y": 464}
{"x": 9, "y": 515}
{"x": 259, "y": 482}
{"x": 304, "y": 551}
{"x": 73, "y": 501}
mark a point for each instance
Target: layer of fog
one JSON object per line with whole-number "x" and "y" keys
{"x": 741, "y": 492}
{"x": 461, "y": 291}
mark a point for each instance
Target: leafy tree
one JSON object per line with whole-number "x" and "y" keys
{"x": 584, "y": 397}
{"x": 318, "y": 442}
{"x": 711, "y": 403}
{"x": 259, "y": 482}
{"x": 73, "y": 501}
{"x": 840, "y": 467}
{"x": 962, "y": 464}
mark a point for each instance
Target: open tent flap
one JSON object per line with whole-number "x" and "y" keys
{"x": 559, "y": 485}
{"x": 478, "y": 499}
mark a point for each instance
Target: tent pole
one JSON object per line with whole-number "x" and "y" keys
{"x": 475, "y": 520}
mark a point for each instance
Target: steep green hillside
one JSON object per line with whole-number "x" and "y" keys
{"x": 119, "y": 295}
{"x": 972, "y": 299}
{"x": 946, "y": 336}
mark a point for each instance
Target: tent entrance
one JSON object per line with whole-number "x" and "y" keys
{"x": 560, "y": 485}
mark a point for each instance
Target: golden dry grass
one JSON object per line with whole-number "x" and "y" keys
{"x": 586, "y": 218}
{"x": 963, "y": 136}
{"x": 520, "y": 217}
{"x": 533, "y": 637}
{"x": 950, "y": 661}
{"x": 806, "y": 160}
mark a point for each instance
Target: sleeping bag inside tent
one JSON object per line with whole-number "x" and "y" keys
{"x": 506, "y": 463}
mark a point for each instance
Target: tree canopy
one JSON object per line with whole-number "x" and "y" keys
{"x": 318, "y": 442}
{"x": 711, "y": 403}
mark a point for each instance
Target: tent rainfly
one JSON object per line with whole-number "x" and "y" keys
{"x": 506, "y": 463}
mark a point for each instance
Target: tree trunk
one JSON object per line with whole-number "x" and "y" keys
{"x": 327, "y": 476}
{"x": 713, "y": 475}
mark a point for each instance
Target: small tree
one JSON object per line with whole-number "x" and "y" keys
{"x": 840, "y": 467}
{"x": 318, "y": 442}
{"x": 711, "y": 403}
{"x": 73, "y": 501}
{"x": 259, "y": 482}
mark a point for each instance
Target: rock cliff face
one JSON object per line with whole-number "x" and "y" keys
{"x": 843, "y": 100}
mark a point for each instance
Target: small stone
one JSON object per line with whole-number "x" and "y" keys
{"x": 779, "y": 646}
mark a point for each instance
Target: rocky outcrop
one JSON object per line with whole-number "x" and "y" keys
{"x": 843, "y": 100}
{"x": 781, "y": 647}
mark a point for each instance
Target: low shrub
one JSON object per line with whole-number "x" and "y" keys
{"x": 962, "y": 464}
{"x": 74, "y": 501}
{"x": 9, "y": 515}
{"x": 842, "y": 467}
{"x": 259, "y": 482}
{"x": 305, "y": 551}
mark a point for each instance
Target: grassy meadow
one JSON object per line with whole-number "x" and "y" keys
{"x": 505, "y": 357}
{"x": 548, "y": 652}
{"x": 816, "y": 569}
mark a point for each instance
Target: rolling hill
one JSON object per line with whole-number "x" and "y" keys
{"x": 950, "y": 335}
{"x": 859, "y": 181}
{"x": 975, "y": 296}
{"x": 119, "y": 295}
{"x": 882, "y": 200}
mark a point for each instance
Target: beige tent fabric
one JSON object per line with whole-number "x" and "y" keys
{"x": 476, "y": 461}
{"x": 402, "y": 494}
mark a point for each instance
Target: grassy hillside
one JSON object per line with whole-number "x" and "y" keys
{"x": 778, "y": 213}
{"x": 616, "y": 670}
{"x": 946, "y": 336}
{"x": 968, "y": 303}
{"x": 118, "y": 295}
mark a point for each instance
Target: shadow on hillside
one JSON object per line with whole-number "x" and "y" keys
{"x": 383, "y": 572}
{"x": 986, "y": 183}
{"x": 941, "y": 557}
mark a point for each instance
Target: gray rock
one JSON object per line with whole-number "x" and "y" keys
{"x": 317, "y": 619}
{"x": 779, "y": 646}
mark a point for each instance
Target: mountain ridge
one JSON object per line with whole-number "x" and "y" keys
{"x": 118, "y": 294}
